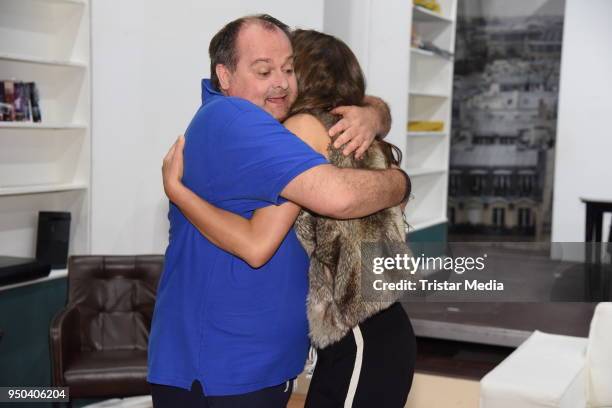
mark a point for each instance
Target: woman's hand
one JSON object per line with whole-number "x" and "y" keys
{"x": 172, "y": 168}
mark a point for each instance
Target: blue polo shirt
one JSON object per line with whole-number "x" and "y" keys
{"x": 217, "y": 320}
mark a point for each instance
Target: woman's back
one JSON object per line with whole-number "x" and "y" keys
{"x": 336, "y": 301}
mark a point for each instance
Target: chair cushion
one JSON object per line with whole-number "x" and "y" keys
{"x": 108, "y": 373}
{"x": 115, "y": 297}
{"x": 547, "y": 370}
{"x": 599, "y": 357}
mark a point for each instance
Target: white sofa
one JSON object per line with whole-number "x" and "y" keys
{"x": 550, "y": 370}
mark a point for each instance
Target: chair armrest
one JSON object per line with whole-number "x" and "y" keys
{"x": 599, "y": 357}
{"x": 65, "y": 339}
{"x": 547, "y": 370}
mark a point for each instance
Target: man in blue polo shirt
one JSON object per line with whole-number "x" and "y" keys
{"x": 238, "y": 335}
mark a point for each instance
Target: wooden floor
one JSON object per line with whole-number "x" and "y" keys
{"x": 297, "y": 401}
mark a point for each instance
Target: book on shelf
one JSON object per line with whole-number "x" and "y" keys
{"x": 8, "y": 96}
{"x": 19, "y": 101}
{"x": 425, "y": 126}
{"x": 431, "y": 5}
{"x": 34, "y": 102}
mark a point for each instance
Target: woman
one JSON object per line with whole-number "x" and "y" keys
{"x": 366, "y": 349}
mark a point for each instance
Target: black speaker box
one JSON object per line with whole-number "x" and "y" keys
{"x": 53, "y": 237}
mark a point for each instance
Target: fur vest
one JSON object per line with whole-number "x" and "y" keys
{"x": 335, "y": 303}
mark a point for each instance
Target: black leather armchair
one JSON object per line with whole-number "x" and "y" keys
{"x": 99, "y": 340}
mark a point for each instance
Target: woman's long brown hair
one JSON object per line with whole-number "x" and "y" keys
{"x": 328, "y": 76}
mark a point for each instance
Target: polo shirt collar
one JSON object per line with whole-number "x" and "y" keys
{"x": 208, "y": 91}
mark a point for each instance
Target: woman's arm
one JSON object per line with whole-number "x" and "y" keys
{"x": 254, "y": 240}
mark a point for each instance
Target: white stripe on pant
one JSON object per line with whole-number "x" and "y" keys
{"x": 348, "y": 403}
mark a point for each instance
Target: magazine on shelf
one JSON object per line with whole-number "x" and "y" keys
{"x": 8, "y": 106}
{"x": 19, "y": 101}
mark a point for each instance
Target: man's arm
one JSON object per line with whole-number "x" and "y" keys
{"x": 383, "y": 113}
{"x": 360, "y": 125}
{"x": 347, "y": 193}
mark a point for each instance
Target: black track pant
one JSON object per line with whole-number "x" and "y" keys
{"x": 372, "y": 366}
{"x": 165, "y": 396}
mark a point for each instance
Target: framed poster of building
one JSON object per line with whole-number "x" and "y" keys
{"x": 506, "y": 84}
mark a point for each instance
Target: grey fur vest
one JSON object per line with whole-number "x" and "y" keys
{"x": 335, "y": 303}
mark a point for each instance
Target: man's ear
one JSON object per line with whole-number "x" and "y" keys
{"x": 224, "y": 75}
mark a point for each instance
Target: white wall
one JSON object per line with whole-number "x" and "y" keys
{"x": 148, "y": 59}
{"x": 583, "y": 165}
{"x": 349, "y": 20}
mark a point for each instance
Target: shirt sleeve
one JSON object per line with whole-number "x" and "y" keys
{"x": 258, "y": 157}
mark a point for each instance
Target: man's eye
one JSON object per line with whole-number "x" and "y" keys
{"x": 264, "y": 73}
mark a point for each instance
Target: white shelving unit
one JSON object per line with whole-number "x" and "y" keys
{"x": 46, "y": 166}
{"x": 430, "y": 98}
{"x": 417, "y": 85}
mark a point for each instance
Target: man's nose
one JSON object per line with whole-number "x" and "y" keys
{"x": 281, "y": 80}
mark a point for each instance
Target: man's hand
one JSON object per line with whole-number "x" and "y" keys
{"x": 360, "y": 125}
{"x": 172, "y": 168}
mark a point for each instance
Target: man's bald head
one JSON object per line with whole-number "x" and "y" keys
{"x": 223, "y": 48}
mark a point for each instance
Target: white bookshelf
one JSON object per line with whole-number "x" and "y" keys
{"x": 430, "y": 98}
{"x": 46, "y": 166}
{"x": 416, "y": 83}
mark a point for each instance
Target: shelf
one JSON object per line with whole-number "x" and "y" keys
{"x": 424, "y": 171}
{"x": 422, "y": 15}
{"x": 420, "y": 224}
{"x": 430, "y": 54}
{"x": 426, "y": 134}
{"x": 54, "y": 274}
{"x": 41, "y": 125}
{"x": 30, "y": 59}
{"x": 428, "y": 94}
{"x": 75, "y": 2}
{"x": 44, "y": 188}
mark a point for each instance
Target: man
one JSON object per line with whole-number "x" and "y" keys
{"x": 238, "y": 335}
